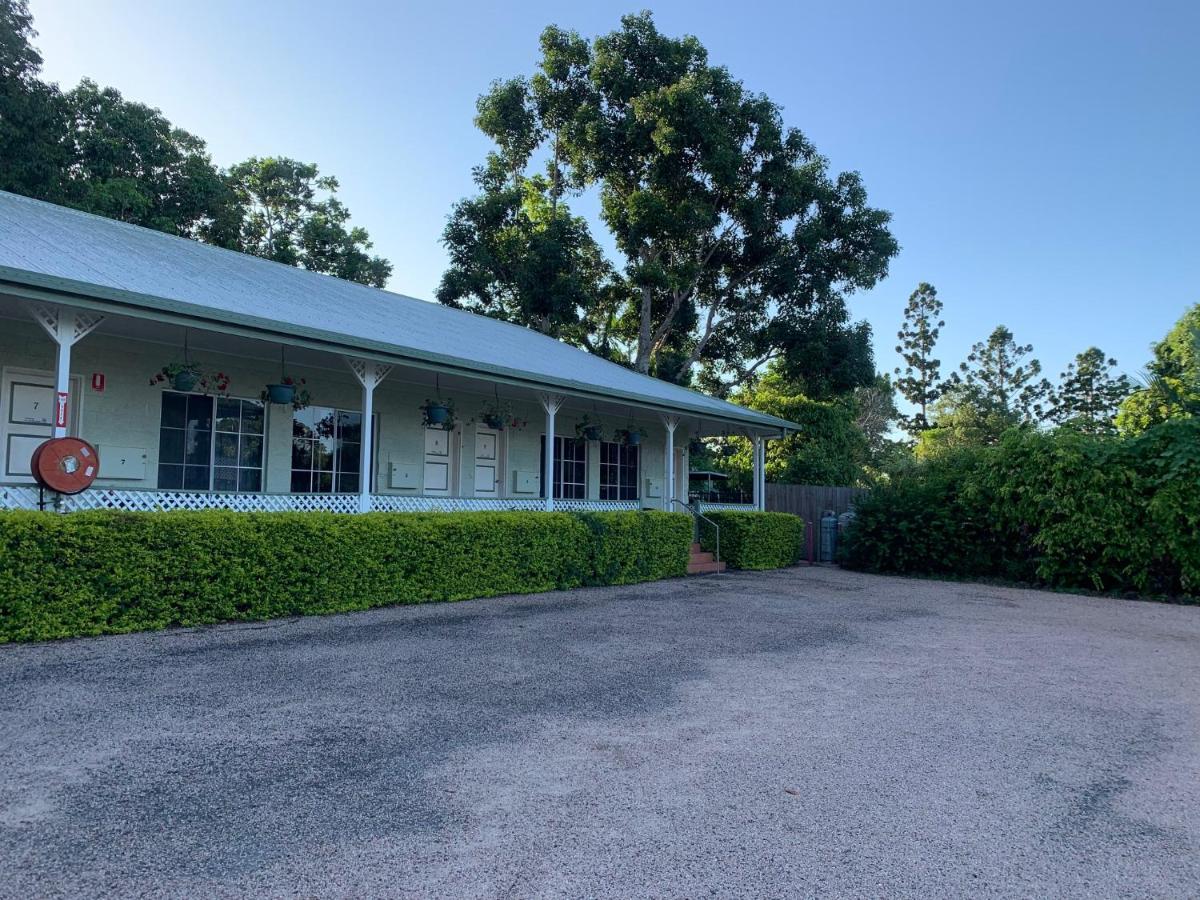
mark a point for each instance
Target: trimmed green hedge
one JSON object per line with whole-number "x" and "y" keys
{"x": 755, "y": 540}
{"x": 107, "y": 573}
{"x": 1060, "y": 509}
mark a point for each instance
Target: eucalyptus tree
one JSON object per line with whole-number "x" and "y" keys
{"x": 288, "y": 212}
{"x": 516, "y": 251}
{"x": 737, "y": 242}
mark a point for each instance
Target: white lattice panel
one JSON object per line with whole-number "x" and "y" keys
{"x": 732, "y": 507}
{"x": 393, "y": 503}
{"x": 144, "y": 501}
{"x": 20, "y": 498}
{"x": 148, "y": 501}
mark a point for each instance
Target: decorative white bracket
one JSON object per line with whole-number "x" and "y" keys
{"x": 551, "y": 403}
{"x": 368, "y": 372}
{"x": 65, "y": 326}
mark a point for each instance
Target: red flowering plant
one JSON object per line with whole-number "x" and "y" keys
{"x": 190, "y": 377}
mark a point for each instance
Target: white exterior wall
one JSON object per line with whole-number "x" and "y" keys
{"x": 127, "y": 412}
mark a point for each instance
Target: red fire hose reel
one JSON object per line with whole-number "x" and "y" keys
{"x": 67, "y": 465}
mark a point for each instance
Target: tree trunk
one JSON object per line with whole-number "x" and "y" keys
{"x": 645, "y": 340}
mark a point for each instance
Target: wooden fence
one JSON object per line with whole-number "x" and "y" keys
{"x": 808, "y": 501}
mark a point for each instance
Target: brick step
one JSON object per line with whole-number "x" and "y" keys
{"x": 695, "y": 547}
{"x": 698, "y": 557}
{"x": 705, "y": 568}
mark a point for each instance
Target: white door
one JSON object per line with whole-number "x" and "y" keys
{"x": 439, "y": 459}
{"x": 27, "y": 418}
{"x": 489, "y": 467}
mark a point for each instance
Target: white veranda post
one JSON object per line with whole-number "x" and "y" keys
{"x": 757, "y": 482}
{"x": 369, "y": 374}
{"x": 551, "y": 404}
{"x": 762, "y": 474}
{"x": 66, "y": 327}
{"x": 670, "y": 423}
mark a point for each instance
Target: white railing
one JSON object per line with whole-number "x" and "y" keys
{"x": 21, "y": 497}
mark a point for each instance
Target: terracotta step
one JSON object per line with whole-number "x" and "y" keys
{"x": 698, "y": 557}
{"x": 695, "y": 547}
{"x": 705, "y": 568}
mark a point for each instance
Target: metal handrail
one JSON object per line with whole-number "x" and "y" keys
{"x": 696, "y": 514}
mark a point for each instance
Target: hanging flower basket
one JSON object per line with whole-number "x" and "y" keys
{"x": 631, "y": 436}
{"x": 438, "y": 414}
{"x": 185, "y": 380}
{"x": 588, "y": 430}
{"x": 492, "y": 420}
{"x": 288, "y": 390}
{"x": 281, "y": 393}
{"x": 189, "y": 377}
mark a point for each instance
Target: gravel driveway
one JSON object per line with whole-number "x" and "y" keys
{"x": 800, "y": 732}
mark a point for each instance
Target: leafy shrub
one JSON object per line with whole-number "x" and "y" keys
{"x": 631, "y": 547}
{"x": 1060, "y": 508}
{"x": 755, "y": 540}
{"x": 107, "y": 572}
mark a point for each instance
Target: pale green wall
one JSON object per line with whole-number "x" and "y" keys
{"x": 126, "y": 413}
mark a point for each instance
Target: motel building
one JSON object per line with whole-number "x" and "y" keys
{"x": 395, "y": 404}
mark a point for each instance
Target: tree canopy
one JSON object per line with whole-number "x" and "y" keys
{"x": 1173, "y": 384}
{"x": 920, "y": 380}
{"x": 1089, "y": 393}
{"x": 93, "y": 149}
{"x": 738, "y": 245}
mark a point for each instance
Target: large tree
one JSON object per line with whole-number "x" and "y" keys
{"x": 289, "y": 212}
{"x": 128, "y": 162}
{"x": 1089, "y": 393}
{"x": 34, "y": 150}
{"x": 516, "y": 251}
{"x": 998, "y": 374}
{"x": 93, "y": 149}
{"x": 1172, "y": 390}
{"x": 920, "y": 381}
{"x": 738, "y": 244}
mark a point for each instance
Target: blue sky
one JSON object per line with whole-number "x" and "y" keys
{"x": 1040, "y": 159}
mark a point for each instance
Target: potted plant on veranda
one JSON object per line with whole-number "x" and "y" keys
{"x": 288, "y": 391}
{"x": 631, "y": 435}
{"x": 187, "y": 377}
{"x": 587, "y": 430}
{"x": 498, "y": 414}
{"x": 438, "y": 414}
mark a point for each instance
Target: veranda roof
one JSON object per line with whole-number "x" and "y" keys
{"x": 93, "y": 261}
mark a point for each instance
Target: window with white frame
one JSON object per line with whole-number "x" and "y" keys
{"x": 570, "y": 468}
{"x": 618, "y": 471}
{"x": 326, "y": 450}
{"x": 210, "y": 443}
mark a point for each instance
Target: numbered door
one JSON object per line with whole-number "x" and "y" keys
{"x": 439, "y": 462}
{"x": 27, "y": 418}
{"x": 489, "y": 468}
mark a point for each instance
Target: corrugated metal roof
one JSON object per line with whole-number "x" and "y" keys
{"x": 48, "y": 246}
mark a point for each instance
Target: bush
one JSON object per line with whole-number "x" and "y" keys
{"x": 755, "y": 540}
{"x": 1061, "y": 509}
{"x": 632, "y": 547}
{"x": 107, "y": 572}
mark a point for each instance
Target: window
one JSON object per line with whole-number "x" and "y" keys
{"x": 210, "y": 443}
{"x": 326, "y": 450}
{"x": 570, "y": 468}
{"x": 618, "y": 471}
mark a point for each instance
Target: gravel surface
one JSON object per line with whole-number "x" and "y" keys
{"x": 804, "y": 732}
